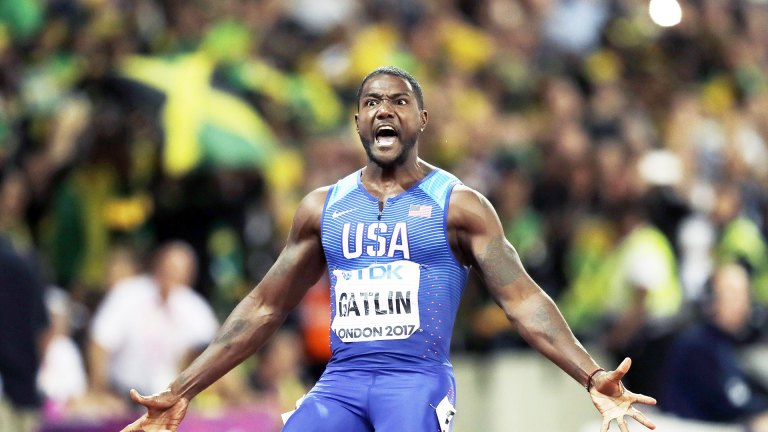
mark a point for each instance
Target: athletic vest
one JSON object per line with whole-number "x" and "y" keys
{"x": 395, "y": 283}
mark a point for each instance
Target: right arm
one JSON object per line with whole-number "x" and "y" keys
{"x": 263, "y": 310}
{"x": 251, "y": 323}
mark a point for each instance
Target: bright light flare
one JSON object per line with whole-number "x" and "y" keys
{"x": 665, "y": 13}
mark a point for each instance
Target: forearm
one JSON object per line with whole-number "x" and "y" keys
{"x": 531, "y": 310}
{"x": 256, "y": 317}
{"x": 98, "y": 359}
{"x": 246, "y": 330}
{"x": 630, "y": 323}
{"x": 541, "y": 324}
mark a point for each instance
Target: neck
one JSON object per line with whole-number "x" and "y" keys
{"x": 389, "y": 181}
{"x": 163, "y": 291}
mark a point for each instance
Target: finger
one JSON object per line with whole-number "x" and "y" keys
{"x": 622, "y": 424}
{"x": 136, "y": 397}
{"x": 622, "y": 369}
{"x": 643, "y": 399}
{"x": 135, "y": 426}
{"x": 154, "y": 401}
{"x": 642, "y": 419}
{"x": 606, "y": 424}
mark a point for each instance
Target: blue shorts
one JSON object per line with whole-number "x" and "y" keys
{"x": 396, "y": 400}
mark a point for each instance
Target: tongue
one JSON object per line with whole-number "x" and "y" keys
{"x": 386, "y": 140}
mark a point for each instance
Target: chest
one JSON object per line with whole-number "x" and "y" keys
{"x": 401, "y": 229}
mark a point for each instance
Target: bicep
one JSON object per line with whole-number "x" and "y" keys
{"x": 297, "y": 268}
{"x": 301, "y": 262}
{"x": 494, "y": 258}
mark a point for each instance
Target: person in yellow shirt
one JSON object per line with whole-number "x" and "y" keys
{"x": 625, "y": 286}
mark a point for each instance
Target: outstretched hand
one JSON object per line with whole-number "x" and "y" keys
{"x": 164, "y": 412}
{"x": 614, "y": 401}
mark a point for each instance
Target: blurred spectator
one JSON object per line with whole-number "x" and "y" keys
{"x": 739, "y": 238}
{"x": 696, "y": 238}
{"x": 23, "y": 334}
{"x": 99, "y": 200}
{"x": 148, "y": 319}
{"x": 121, "y": 263}
{"x": 626, "y": 289}
{"x": 62, "y": 376}
{"x": 278, "y": 375}
{"x": 573, "y": 26}
{"x": 626, "y": 272}
{"x": 703, "y": 377}
{"x": 322, "y": 16}
{"x": 314, "y": 316}
{"x": 14, "y": 196}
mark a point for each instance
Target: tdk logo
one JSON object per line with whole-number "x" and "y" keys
{"x": 379, "y": 272}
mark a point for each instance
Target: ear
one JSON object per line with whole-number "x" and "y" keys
{"x": 357, "y": 125}
{"x": 424, "y": 119}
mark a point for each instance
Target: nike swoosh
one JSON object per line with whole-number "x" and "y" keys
{"x": 338, "y": 213}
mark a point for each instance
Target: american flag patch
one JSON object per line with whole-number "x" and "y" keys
{"x": 424, "y": 211}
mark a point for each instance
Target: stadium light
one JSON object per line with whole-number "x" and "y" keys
{"x": 665, "y": 13}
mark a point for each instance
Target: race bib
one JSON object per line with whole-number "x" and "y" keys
{"x": 380, "y": 302}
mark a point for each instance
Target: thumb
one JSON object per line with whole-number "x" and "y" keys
{"x": 155, "y": 401}
{"x": 621, "y": 370}
{"x": 136, "y": 397}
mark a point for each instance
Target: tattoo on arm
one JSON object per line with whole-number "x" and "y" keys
{"x": 501, "y": 267}
{"x": 542, "y": 320}
{"x": 500, "y": 263}
{"x": 182, "y": 380}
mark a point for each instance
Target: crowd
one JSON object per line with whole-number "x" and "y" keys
{"x": 155, "y": 150}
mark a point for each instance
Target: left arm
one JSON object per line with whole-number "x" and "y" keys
{"x": 478, "y": 238}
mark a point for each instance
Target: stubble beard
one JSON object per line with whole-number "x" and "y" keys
{"x": 401, "y": 157}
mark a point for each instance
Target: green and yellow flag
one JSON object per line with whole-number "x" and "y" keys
{"x": 203, "y": 126}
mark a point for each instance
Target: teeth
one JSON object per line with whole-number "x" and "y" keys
{"x": 379, "y": 133}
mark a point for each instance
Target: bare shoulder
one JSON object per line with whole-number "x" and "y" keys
{"x": 310, "y": 211}
{"x": 315, "y": 200}
{"x": 469, "y": 208}
{"x": 465, "y": 195}
{"x": 472, "y": 224}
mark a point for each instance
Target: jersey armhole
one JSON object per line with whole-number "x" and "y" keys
{"x": 445, "y": 225}
{"x": 325, "y": 207}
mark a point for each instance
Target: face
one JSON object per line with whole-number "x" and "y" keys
{"x": 389, "y": 120}
{"x": 13, "y": 196}
{"x": 732, "y": 304}
{"x": 175, "y": 266}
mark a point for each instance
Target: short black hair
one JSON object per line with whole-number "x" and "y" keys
{"x": 400, "y": 73}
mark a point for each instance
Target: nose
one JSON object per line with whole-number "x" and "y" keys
{"x": 385, "y": 109}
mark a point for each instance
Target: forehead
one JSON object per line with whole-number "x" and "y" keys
{"x": 175, "y": 256}
{"x": 386, "y": 83}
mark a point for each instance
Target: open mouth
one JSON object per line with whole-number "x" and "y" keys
{"x": 386, "y": 135}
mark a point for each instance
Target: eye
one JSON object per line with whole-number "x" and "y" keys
{"x": 371, "y": 102}
{"x": 402, "y": 102}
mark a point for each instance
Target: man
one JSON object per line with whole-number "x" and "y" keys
{"x": 705, "y": 379}
{"x": 629, "y": 288}
{"x": 153, "y": 319}
{"x": 24, "y": 330}
{"x": 397, "y": 238}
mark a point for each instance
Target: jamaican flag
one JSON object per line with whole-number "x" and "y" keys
{"x": 203, "y": 125}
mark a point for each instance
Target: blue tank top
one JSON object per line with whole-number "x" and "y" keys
{"x": 395, "y": 283}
